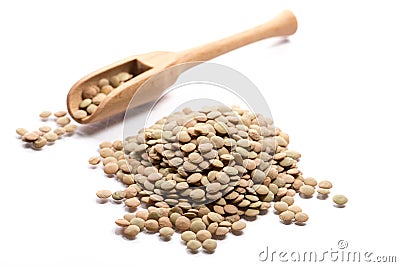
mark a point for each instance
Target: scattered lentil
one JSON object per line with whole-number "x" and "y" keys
{"x": 340, "y": 200}
{"x": 238, "y": 226}
{"x": 301, "y": 217}
{"x": 122, "y": 222}
{"x": 132, "y": 230}
{"x": 209, "y": 244}
{"x": 111, "y": 168}
{"x": 325, "y": 184}
{"x": 63, "y": 121}
{"x": 30, "y": 137}
{"x": 39, "y": 143}
{"x": 202, "y": 235}
{"x": 166, "y": 232}
{"x": 281, "y": 206}
{"x": 21, "y": 131}
{"x": 307, "y": 190}
{"x": 94, "y": 160}
{"x": 45, "y": 114}
{"x": 286, "y": 216}
{"x": 151, "y": 225}
{"x": 51, "y": 137}
{"x": 70, "y": 128}
{"x": 182, "y": 223}
{"x": 139, "y": 222}
{"x": 60, "y": 113}
{"x": 45, "y": 129}
{"x": 323, "y": 191}
{"x": 59, "y": 131}
{"x": 310, "y": 181}
{"x": 188, "y": 235}
{"x": 103, "y": 193}
{"x": 193, "y": 245}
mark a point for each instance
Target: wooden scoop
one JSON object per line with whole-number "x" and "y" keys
{"x": 147, "y": 65}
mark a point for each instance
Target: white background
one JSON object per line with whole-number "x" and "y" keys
{"x": 333, "y": 87}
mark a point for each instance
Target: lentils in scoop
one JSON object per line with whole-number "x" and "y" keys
{"x": 94, "y": 94}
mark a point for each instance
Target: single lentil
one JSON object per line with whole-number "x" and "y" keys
{"x": 301, "y": 217}
{"x": 103, "y": 193}
{"x": 340, "y": 199}
{"x": 209, "y": 244}
{"x": 45, "y": 114}
{"x": 193, "y": 245}
{"x": 132, "y": 230}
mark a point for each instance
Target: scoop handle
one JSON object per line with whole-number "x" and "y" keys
{"x": 282, "y": 25}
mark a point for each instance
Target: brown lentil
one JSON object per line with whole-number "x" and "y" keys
{"x": 193, "y": 245}
{"x": 51, "y": 137}
{"x": 60, "y": 113}
{"x": 151, "y": 225}
{"x": 63, "y": 121}
{"x": 307, "y": 190}
{"x": 111, "y": 168}
{"x": 39, "y": 143}
{"x": 301, "y": 217}
{"x": 59, "y": 131}
{"x": 166, "y": 231}
{"x": 70, "y": 128}
{"x": 45, "y": 114}
{"x": 188, "y": 235}
{"x": 132, "y": 202}
{"x": 325, "y": 184}
{"x": 340, "y": 200}
{"x": 30, "y": 137}
{"x": 132, "y": 230}
{"x": 94, "y": 160}
{"x": 103, "y": 193}
{"x": 45, "y": 129}
{"x": 323, "y": 191}
{"x": 310, "y": 181}
{"x": 182, "y": 223}
{"x": 286, "y": 216}
{"x": 122, "y": 222}
{"x": 281, "y": 206}
{"x": 202, "y": 235}
{"x": 209, "y": 244}
{"x": 238, "y": 226}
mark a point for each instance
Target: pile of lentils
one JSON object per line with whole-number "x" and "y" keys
{"x": 200, "y": 173}
{"x": 45, "y": 135}
{"x": 93, "y": 95}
